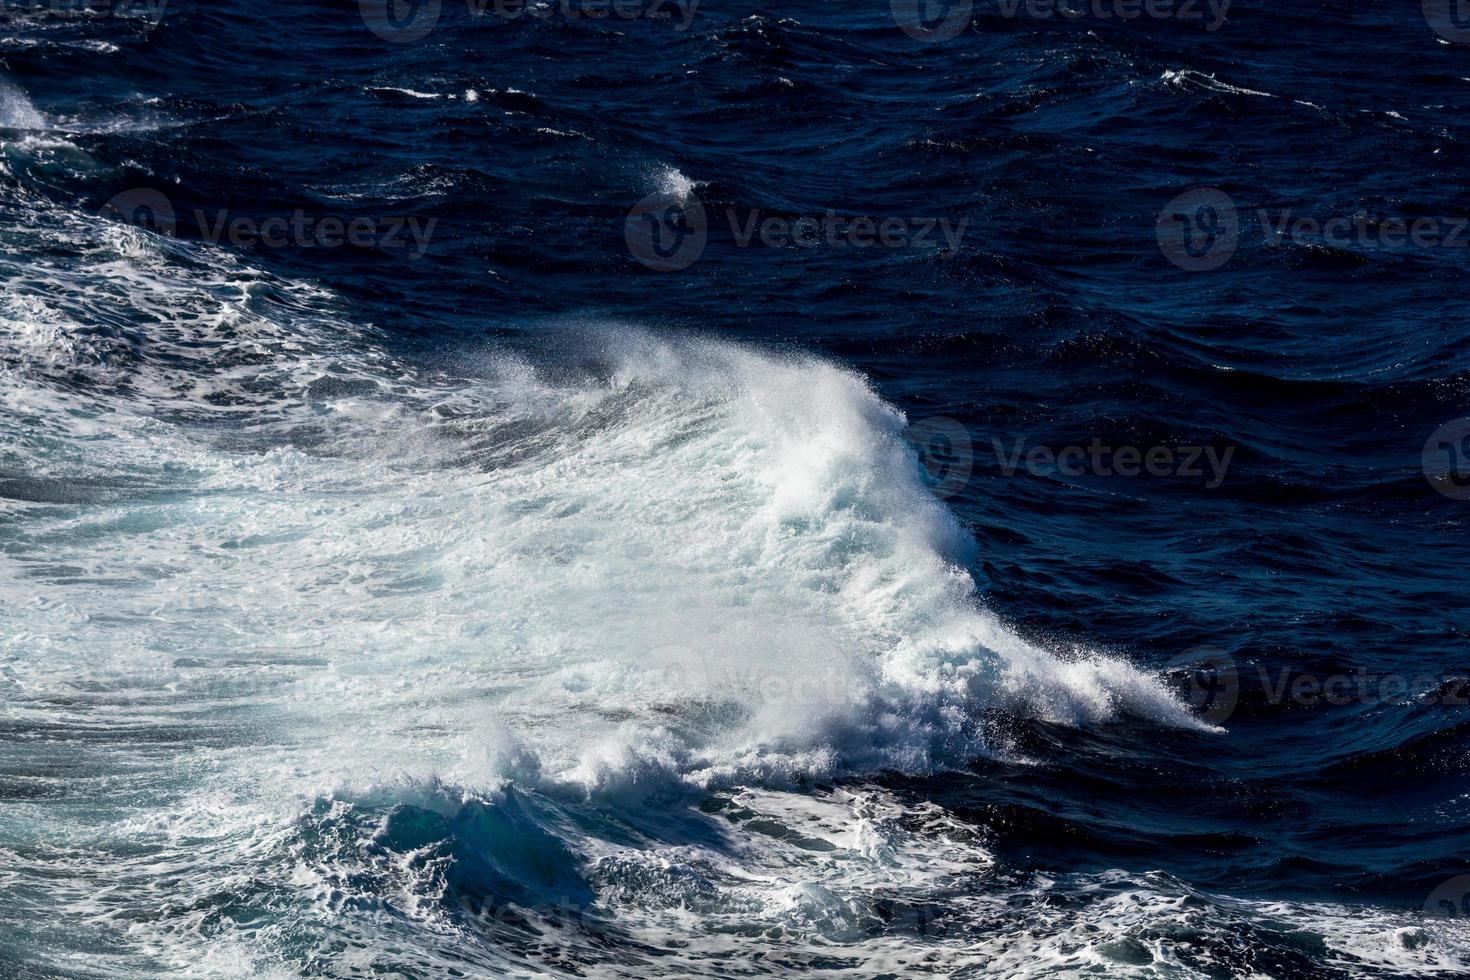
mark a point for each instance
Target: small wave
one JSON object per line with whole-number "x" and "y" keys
{"x": 672, "y": 183}
{"x": 413, "y": 93}
{"x": 1188, "y": 78}
{"x": 16, "y": 110}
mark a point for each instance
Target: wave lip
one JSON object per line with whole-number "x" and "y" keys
{"x": 596, "y": 595}
{"x": 685, "y": 557}
{"x": 806, "y": 609}
{"x": 16, "y": 110}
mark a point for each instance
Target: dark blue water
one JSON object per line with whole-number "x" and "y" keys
{"x": 1093, "y": 243}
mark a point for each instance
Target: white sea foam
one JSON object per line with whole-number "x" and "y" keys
{"x": 756, "y": 519}
{"x": 671, "y": 182}
{"x": 412, "y": 93}
{"x": 16, "y": 110}
{"x": 350, "y": 640}
{"x": 1186, "y": 78}
{"x": 714, "y": 562}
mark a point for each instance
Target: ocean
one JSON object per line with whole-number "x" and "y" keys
{"x": 678, "y": 488}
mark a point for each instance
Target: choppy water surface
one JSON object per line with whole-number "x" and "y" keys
{"x": 867, "y": 492}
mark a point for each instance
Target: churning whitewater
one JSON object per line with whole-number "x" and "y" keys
{"x": 538, "y": 605}
{"x": 514, "y": 601}
{"x": 531, "y": 648}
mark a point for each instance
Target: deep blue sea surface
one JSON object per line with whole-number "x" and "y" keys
{"x": 637, "y": 488}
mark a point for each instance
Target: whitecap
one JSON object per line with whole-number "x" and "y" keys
{"x": 16, "y": 110}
